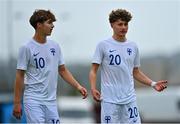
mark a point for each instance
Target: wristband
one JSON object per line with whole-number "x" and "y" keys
{"x": 153, "y": 83}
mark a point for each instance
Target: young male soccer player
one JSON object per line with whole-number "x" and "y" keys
{"x": 120, "y": 62}
{"x": 39, "y": 62}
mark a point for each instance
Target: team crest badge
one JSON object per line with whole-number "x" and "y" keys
{"x": 107, "y": 119}
{"x": 53, "y": 51}
{"x": 129, "y": 51}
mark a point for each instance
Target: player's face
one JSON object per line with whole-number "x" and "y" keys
{"x": 47, "y": 27}
{"x": 120, "y": 28}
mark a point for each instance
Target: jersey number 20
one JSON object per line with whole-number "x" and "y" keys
{"x": 114, "y": 59}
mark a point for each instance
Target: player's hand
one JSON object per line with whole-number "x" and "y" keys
{"x": 83, "y": 91}
{"x": 17, "y": 111}
{"x": 96, "y": 94}
{"x": 161, "y": 85}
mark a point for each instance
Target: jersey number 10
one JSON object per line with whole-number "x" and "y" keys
{"x": 40, "y": 63}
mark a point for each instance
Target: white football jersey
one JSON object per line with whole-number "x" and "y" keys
{"x": 40, "y": 62}
{"x": 117, "y": 60}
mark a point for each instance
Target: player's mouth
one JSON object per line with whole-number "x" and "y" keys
{"x": 123, "y": 32}
{"x": 51, "y": 30}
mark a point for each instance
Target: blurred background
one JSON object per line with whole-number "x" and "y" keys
{"x": 80, "y": 25}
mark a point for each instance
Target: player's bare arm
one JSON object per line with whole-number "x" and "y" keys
{"x": 92, "y": 79}
{"x": 68, "y": 77}
{"x": 19, "y": 84}
{"x": 141, "y": 77}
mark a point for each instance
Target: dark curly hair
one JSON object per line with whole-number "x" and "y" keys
{"x": 121, "y": 14}
{"x": 41, "y": 16}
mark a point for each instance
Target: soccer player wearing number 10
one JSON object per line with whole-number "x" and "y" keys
{"x": 39, "y": 61}
{"x": 120, "y": 62}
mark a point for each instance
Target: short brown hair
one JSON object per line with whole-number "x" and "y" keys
{"x": 121, "y": 14}
{"x": 41, "y": 16}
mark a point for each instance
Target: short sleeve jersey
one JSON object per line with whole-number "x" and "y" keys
{"x": 117, "y": 60}
{"x": 40, "y": 62}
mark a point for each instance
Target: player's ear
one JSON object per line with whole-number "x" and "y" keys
{"x": 38, "y": 25}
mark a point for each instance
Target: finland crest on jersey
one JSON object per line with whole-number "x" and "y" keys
{"x": 117, "y": 61}
{"x": 41, "y": 63}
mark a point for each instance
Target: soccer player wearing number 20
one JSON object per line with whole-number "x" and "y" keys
{"x": 119, "y": 60}
{"x": 39, "y": 62}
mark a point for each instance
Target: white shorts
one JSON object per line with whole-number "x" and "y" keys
{"x": 38, "y": 113}
{"x": 120, "y": 113}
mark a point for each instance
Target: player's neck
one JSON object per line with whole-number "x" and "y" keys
{"x": 119, "y": 38}
{"x": 39, "y": 38}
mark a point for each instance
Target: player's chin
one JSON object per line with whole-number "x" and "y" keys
{"x": 49, "y": 34}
